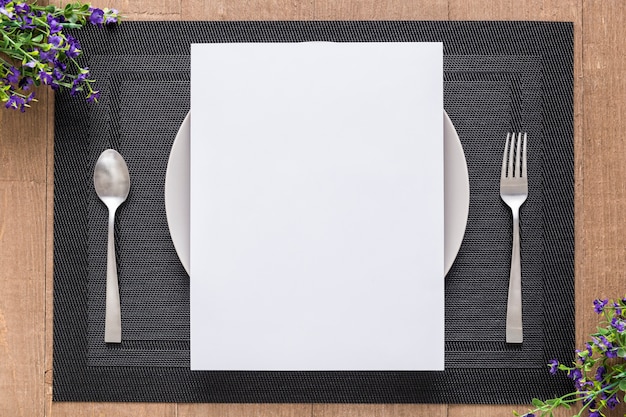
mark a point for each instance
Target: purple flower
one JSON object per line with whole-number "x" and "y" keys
{"x": 26, "y": 22}
{"x": 528, "y": 415}
{"x": 54, "y": 23}
{"x": 47, "y": 56}
{"x": 93, "y": 97}
{"x": 58, "y": 75}
{"x": 96, "y": 17}
{"x": 45, "y": 78}
{"x": 6, "y": 13}
{"x": 72, "y": 51}
{"x": 618, "y": 308}
{"x": 600, "y": 372}
{"x": 618, "y": 324}
{"x": 55, "y": 40}
{"x": 612, "y": 402}
{"x": 25, "y": 83}
{"x": 605, "y": 346}
{"x": 575, "y": 374}
{"x": 595, "y": 413}
{"x": 111, "y": 17}
{"x": 59, "y": 65}
{"x": 80, "y": 78}
{"x": 22, "y": 8}
{"x": 605, "y": 341}
{"x": 585, "y": 353}
{"x": 598, "y": 305}
{"x": 554, "y": 365}
{"x": 582, "y": 385}
{"x": 74, "y": 47}
{"x": 72, "y": 41}
{"x": 76, "y": 84}
{"x": 15, "y": 102}
{"x": 14, "y": 75}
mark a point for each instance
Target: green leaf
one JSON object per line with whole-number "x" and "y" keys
{"x": 621, "y": 352}
{"x": 554, "y": 402}
{"x": 622, "y": 385}
{"x": 37, "y": 38}
{"x": 537, "y": 402}
{"x": 24, "y": 37}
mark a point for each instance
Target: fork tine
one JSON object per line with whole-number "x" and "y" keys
{"x": 518, "y": 165}
{"x": 506, "y": 147}
{"x": 511, "y": 155}
{"x": 524, "y": 157}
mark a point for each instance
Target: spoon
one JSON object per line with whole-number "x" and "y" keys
{"x": 112, "y": 183}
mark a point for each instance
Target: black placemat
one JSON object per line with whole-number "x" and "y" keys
{"x": 498, "y": 76}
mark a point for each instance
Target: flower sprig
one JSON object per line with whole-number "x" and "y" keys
{"x": 35, "y": 50}
{"x": 599, "y": 369}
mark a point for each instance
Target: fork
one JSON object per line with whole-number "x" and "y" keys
{"x": 514, "y": 191}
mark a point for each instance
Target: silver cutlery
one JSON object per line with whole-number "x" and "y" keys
{"x": 514, "y": 191}
{"x": 112, "y": 183}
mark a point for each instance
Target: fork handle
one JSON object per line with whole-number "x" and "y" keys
{"x": 514, "y": 333}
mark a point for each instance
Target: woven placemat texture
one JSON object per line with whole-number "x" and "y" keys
{"x": 498, "y": 77}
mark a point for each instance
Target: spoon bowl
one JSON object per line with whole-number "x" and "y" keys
{"x": 112, "y": 183}
{"x": 111, "y": 178}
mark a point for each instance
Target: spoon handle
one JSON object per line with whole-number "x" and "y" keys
{"x": 113, "y": 320}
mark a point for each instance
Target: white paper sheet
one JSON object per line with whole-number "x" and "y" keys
{"x": 317, "y": 206}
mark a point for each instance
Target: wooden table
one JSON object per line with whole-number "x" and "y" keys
{"x": 26, "y": 193}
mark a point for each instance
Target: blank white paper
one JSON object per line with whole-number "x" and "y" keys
{"x": 317, "y": 206}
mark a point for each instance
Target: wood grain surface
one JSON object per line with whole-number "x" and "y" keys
{"x": 26, "y": 194}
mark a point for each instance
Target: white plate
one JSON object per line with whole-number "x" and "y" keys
{"x": 456, "y": 193}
